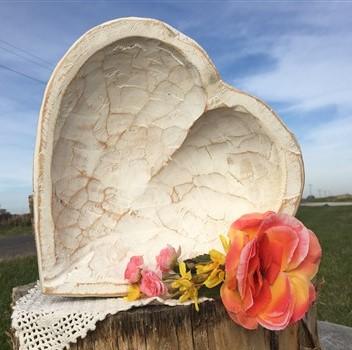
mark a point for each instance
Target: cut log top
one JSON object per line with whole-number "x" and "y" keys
{"x": 163, "y": 327}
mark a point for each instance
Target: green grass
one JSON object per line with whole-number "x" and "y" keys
{"x": 12, "y": 230}
{"x": 13, "y": 273}
{"x": 333, "y": 226}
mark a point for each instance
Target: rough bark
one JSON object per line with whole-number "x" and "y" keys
{"x": 182, "y": 328}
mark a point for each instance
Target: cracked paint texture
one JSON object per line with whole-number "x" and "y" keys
{"x": 140, "y": 161}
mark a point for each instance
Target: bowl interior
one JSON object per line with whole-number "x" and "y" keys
{"x": 138, "y": 164}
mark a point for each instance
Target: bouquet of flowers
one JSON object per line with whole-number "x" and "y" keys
{"x": 263, "y": 275}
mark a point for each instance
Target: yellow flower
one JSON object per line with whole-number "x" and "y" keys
{"x": 190, "y": 294}
{"x": 217, "y": 257}
{"x": 217, "y": 274}
{"x": 216, "y": 277}
{"x": 183, "y": 271}
{"x": 184, "y": 284}
{"x": 225, "y": 243}
{"x": 133, "y": 292}
{"x": 181, "y": 284}
{"x": 205, "y": 268}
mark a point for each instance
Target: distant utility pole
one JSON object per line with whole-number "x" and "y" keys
{"x": 310, "y": 189}
{"x": 319, "y": 193}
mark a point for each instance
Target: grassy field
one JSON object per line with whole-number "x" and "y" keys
{"x": 13, "y": 273}
{"x": 6, "y": 231}
{"x": 333, "y": 225}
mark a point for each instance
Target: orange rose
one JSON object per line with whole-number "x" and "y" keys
{"x": 269, "y": 266}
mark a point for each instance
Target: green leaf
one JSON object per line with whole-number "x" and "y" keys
{"x": 191, "y": 263}
{"x": 202, "y": 259}
{"x": 210, "y": 292}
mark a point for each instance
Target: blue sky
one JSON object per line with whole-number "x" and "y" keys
{"x": 295, "y": 55}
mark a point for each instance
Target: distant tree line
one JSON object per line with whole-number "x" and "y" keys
{"x": 8, "y": 219}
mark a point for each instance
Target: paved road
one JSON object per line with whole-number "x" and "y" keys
{"x": 11, "y": 247}
{"x": 320, "y": 204}
{"x": 334, "y": 336}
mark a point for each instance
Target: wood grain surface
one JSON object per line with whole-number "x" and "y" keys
{"x": 163, "y": 327}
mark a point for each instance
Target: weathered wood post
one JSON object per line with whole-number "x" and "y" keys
{"x": 182, "y": 328}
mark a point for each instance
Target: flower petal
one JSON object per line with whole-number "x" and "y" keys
{"x": 287, "y": 238}
{"x": 244, "y": 320}
{"x": 302, "y": 232}
{"x": 215, "y": 278}
{"x": 261, "y": 301}
{"x": 264, "y": 249}
{"x": 281, "y": 296}
{"x": 310, "y": 265}
{"x": 225, "y": 243}
{"x": 133, "y": 292}
{"x": 247, "y": 299}
{"x": 255, "y": 278}
{"x": 300, "y": 286}
{"x": 275, "y": 251}
{"x": 276, "y": 323}
{"x": 247, "y": 253}
{"x": 217, "y": 257}
{"x": 230, "y": 298}
{"x": 249, "y": 223}
{"x": 272, "y": 220}
{"x": 233, "y": 255}
{"x": 278, "y": 312}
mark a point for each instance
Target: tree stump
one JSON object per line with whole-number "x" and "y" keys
{"x": 159, "y": 327}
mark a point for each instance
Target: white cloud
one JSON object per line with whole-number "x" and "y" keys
{"x": 312, "y": 71}
{"x": 327, "y": 153}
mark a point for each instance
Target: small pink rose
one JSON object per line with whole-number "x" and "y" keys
{"x": 151, "y": 284}
{"x": 167, "y": 258}
{"x": 133, "y": 269}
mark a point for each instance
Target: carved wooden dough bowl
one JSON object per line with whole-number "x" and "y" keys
{"x": 141, "y": 144}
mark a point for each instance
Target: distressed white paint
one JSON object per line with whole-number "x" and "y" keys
{"x": 141, "y": 144}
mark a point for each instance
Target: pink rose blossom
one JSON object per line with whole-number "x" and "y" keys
{"x": 133, "y": 269}
{"x": 167, "y": 258}
{"x": 151, "y": 284}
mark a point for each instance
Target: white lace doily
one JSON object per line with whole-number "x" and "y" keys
{"x": 52, "y": 322}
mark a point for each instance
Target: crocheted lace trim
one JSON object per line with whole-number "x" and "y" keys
{"x": 45, "y": 322}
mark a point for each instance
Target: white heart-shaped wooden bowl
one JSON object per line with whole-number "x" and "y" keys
{"x": 141, "y": 144}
